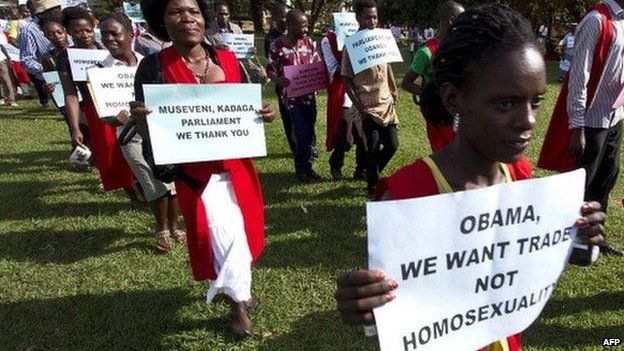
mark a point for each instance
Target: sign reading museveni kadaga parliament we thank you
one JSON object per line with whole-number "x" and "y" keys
{"x": 198, "y": 122}
{"x": 482, "y": 273}
{"x": 368, "y": 48}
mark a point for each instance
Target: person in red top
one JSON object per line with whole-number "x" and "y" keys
{"x": 221, "y": 201}
{"x": 422, "y": 66}
{"x": 491, "y": 47}
{"x": 109, "y": 160}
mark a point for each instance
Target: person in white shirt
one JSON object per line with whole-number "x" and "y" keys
{"x": 117, "y": 36}
{"x": 341, "y": 131}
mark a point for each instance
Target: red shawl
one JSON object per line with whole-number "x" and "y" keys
{"x": 335, "y": 97}
{"x": 439, "y": 136}
{"x": 109, "y": 160}
{"x": 555, "y": 153}
{"x": 417, "y": 180}
{"x": 242, "y": 172}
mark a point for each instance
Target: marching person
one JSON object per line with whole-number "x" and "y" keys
{"x": 341, "y": 130}
{"x": 496, "y": 123}
{"x": 221, "y": 24}
{"x": 586, "y": 128}
{"x": 117, "y": 36}
{"x": 422, "y": 67}
{"x": 374, "y": 94}
{"x": 113, "y": 168}
{"x": 221, "y": 201}
{"x": 297, "y": 48}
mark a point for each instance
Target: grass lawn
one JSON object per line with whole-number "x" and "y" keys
{"x": 78, "y": 269}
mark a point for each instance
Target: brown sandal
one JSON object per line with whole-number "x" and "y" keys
{"x": 179, "y": 236}
{"x": 163, "y": 241}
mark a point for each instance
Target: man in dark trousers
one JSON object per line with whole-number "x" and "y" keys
{"x": 595, "y": 122}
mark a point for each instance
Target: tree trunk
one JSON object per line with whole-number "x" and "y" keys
{"x": 255, "y": 7}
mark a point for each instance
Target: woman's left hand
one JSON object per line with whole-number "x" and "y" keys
{"x": 267, "y": 113}
{"x": 591, "y": 230}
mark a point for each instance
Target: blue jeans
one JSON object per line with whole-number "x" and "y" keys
{"x": 303, "y": 120}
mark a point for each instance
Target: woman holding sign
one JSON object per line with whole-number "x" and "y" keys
{"x": 221, "y": 201}
{"x": 117, "y": 36}
{"x": 488, "y": 47}
{"x": 114, "y": 171}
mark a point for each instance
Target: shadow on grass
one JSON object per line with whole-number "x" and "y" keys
{"x": 546, "y": 333}
{"x": 328, "y": 228}
{"x": 29, "y": 162}
{"x": 63, "y": 247}
{"x": 321, "y": 331}
{"x": 24, "y": 201}
{"x": 120, "y": 321}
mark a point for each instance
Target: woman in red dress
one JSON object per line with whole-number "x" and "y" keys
{"x": 221, "y": 201}
{"x": 489, "y": 79}
{"x": 114, "y": 171}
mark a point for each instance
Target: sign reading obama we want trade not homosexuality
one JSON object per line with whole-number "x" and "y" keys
{"x": 197, "y": 122}
{"x": 482, "y": 273}
{"x": 112, "y": 89}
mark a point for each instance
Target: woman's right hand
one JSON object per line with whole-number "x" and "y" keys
{"x": 577, "y": 143}
{"x": 49, "y": 88}
{"x": 359, "y": 292}
{"x": 77, "y": 138}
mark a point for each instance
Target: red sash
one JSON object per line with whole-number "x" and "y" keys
{"x": 439, "y": 136}
{"x": 242, "y": 172}
{"x": 335, "y": 97}
{"x": 417, "y": 180}
{"x": 555, "y": 154}
{"x": 109, "y": 160}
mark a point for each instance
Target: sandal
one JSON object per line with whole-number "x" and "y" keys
{"x": 163, "y": 241}
{"x": 179, "y": 236}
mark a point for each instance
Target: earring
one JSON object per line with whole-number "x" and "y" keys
{"x": 456, "y": 120}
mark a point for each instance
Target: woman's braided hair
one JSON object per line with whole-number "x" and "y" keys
{"x": 119, "y": 18}
{"x": 481, "y": 32}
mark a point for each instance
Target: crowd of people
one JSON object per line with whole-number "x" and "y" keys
{"x": 478, "y": 136}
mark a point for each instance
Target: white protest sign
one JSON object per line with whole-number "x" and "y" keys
{"x": 368, "y": 48}
{"x": 21, "y": 2}
{"x": 133, "y": 11}
{"x": 241, "y": 44}
{"x": 200, "y": 122}
{"x": 473, "y": 267}
{"x": 345, "y": 26}
{"x": 81, "y": 59}
{"x": 112, "y": 89}
{"x": 58, "y": 95}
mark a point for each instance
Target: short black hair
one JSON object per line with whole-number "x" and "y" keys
{"x": 75, "y": 13}
{"x": 154, "y": 13}
{"x": 294, "y": 15}
{"x": 481, "y": 32}
{"x": 45, "y": 21}
{"x": 361, "y": 5}
{"x": 278, "y": 6}
{"x": 220, "y": 3}
{"x": 120, "y": 18}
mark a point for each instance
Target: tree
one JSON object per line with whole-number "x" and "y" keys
{"x": 317, "y": 8}
{"x": 425, "y": 12}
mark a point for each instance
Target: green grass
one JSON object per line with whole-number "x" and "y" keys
{"x": 78, "y": 270}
